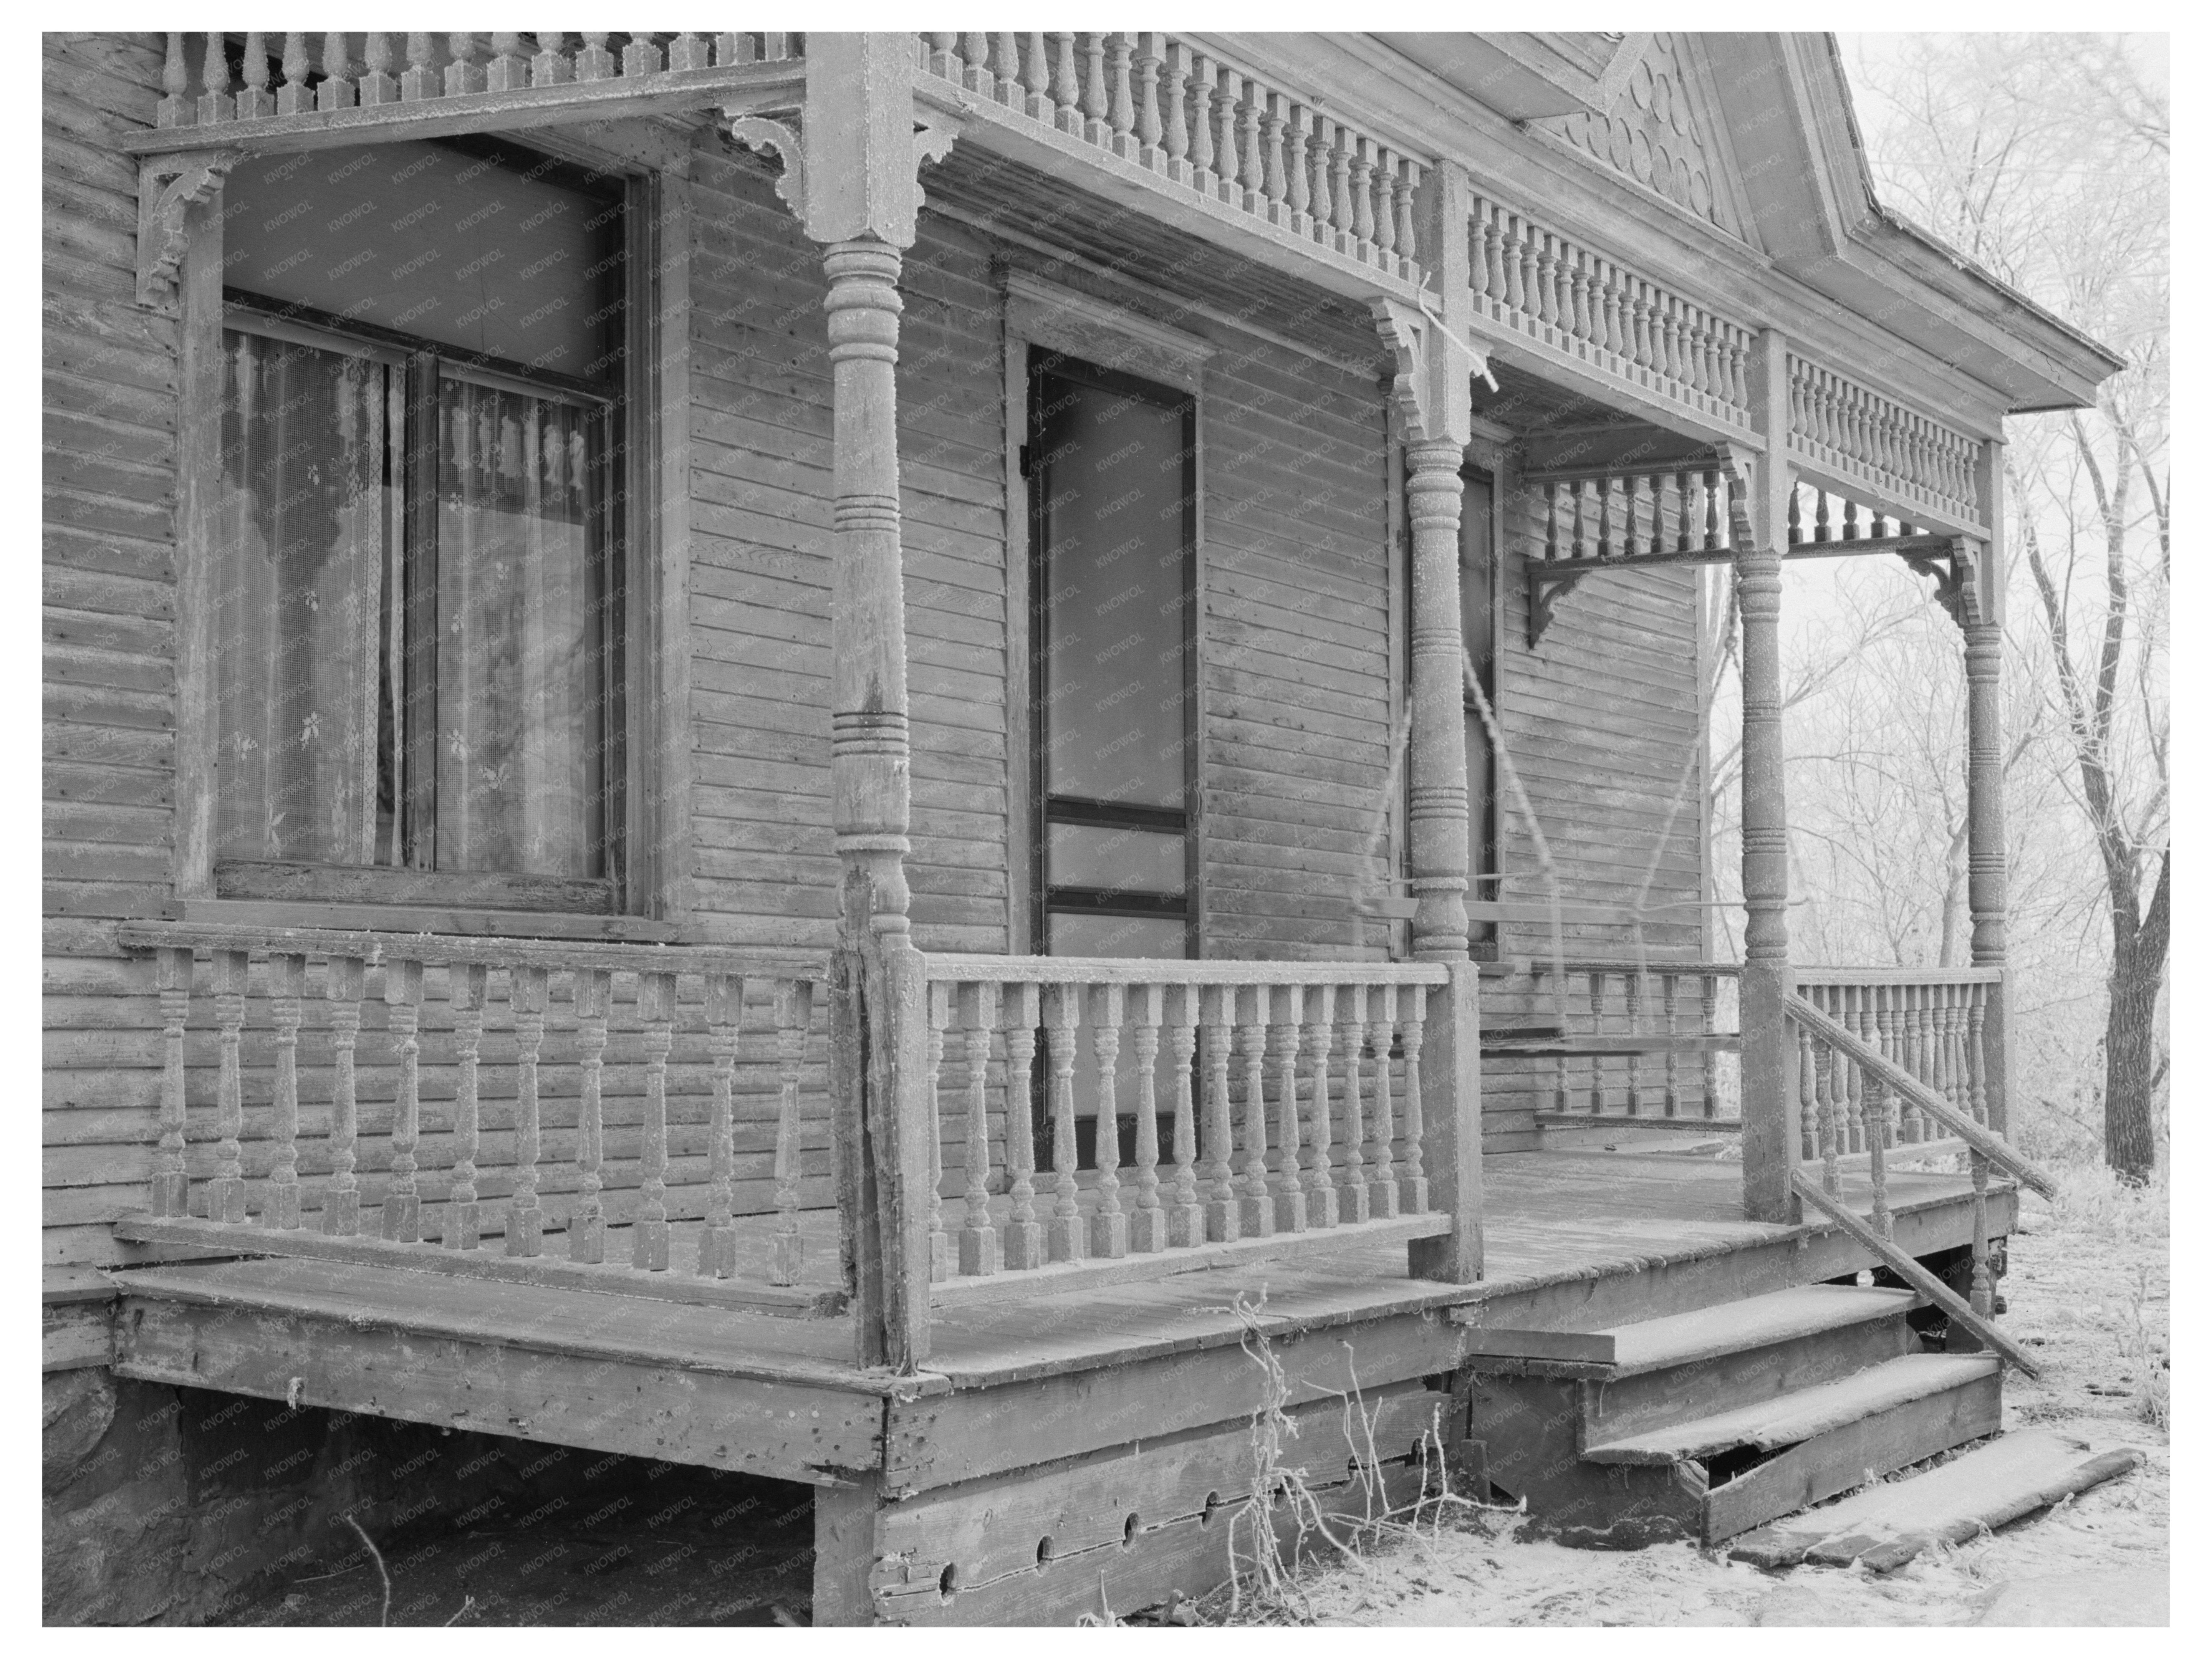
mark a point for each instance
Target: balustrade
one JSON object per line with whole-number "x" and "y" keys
{"x": 1286, "y": 1098}
{"x": 1164, "y": 104}
{"x": 1859, "y": 436}
{"x": 1620, "y": 1040}
{"x": 1540, "y": 283}
{"x": 419, "y": 1144}
{"x": 318, "y": 73}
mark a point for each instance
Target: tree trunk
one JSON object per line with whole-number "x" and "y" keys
{"x": 2131, "y": 1035}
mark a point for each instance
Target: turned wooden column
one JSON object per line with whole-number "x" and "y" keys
{"x": 1769, "y": 1094}
{"x": 1986, "y": 900}
{"x": 850, "y": 172}
{"x": 1437, "y": 798}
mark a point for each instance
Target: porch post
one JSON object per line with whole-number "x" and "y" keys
{"x": 848, "y": 171}
{"x": 1983, "y": 622}
{"x": 1770, "y": 1092}
{"x": 1433, "y": 398}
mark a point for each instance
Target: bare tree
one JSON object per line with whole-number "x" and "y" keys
{"x": 2045, "y": 158}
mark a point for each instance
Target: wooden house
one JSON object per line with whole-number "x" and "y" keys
{"x": 784, "y": 752}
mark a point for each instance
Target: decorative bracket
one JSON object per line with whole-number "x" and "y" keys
{"x": 168, "y": 185}
{"x": 1957, "y": 576}
{"x": 1546, "y": 589}
{"x": 1432, "y": 395}
{"x": 779, "y": 137}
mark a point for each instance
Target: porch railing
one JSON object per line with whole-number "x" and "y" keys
{"x": 488, "y": 1110}
{"x": 1270, "y": 1107}
{"x": 1617, "y": 1041}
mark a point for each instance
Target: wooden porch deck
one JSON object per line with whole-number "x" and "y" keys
{"x": 1572, "y": 1241}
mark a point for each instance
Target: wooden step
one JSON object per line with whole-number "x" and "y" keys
{"x": 1884, "y": 1526}
{"x": 1758, "y": 1322}
{"x": 1687, "y": 1368}
{"x": 1805, "y": 1413}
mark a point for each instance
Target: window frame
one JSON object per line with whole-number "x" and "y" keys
{"x": 648, "y": 891}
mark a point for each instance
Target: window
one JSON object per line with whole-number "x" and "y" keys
{"x": 418, "y": 674}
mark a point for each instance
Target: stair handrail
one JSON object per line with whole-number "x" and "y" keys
{"x": 1872, "y": 1061}
{"x": 1902, "y": 1264}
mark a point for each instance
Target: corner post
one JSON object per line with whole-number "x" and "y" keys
{"x": 1769, "y": 1095}
{"x": 1983, "y": 622}
{"x": 1435, "y": 359}
{"x": 849, "y": 174}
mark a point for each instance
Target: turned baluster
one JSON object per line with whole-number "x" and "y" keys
{"x": 1383, "y": 1130}
{"x": 227, "y": 1192}
{"x": 1808, "y": 1138}
{"x": 288, "y": 980}
{"x": 1561, "y": 1084}
{"x": 175, "y": 109}
{"x": 685, "y": 52}
{"x": 593, "y": 61}
{"x": 377, "y": 84}
{"x": 975, "y": 54}
{"x": 1548, "y": 304}
{"x": 1022, "y": 1242}
{"x": 1351, "y": 1187}
{"x": 1151, "y": 50}
{"x": 1274, "y": 125}
{"x": 1631, "y": 985}
{"x": 1492, "y": 287}
{"x": 1006, "y": 67}
{"x": 1413, "y": 1183}
{"x": 656, "y": 1013}
{"x": 403, "y": 1002}
{"x": 463, "y": 74}
{"x": 640, "y": 56}
{"x": 1683, "y": 535}
{"x": 1121, "y": 99}
{"x": 1285, "y": 1022}
{"x": 1880, "y": 1136}
{"x": 1067, "y": 116}
{"x": 466, "y": 983}
{"x": 1203, "y": 85}
{"x": 1251, "y": 168}
{"x": 940, "y": 1246}
{"x": 1604, "y": 487}
{"x": 1036, "y": 78}
{"x": 1174, "y": 116}
{"x": 1256, "y": 1208}
{"x": 1343, "y": 217}
{"x": 1297, "y": 163}
{"x": 1709, "y": 1004}
{"x": 254, "y": 100}
{"x": 1579, "y": 302}
{"x": 1109, "y": 1224}
{"x": 1960, "y": 1092}
{"x": 1977, "y": 1097}
{"x": 295, "y": 97}
{"x": 1712, "y": 509}
{"x": 1064, "y": 1231}
{"x": 1185, "y": 1222}
{"x": 592, "y": 992}
{"x": 979, "y": 1239}
{"x": 1320, "y": 1188}
{"x": 1597, "y": 980}
{"x": 1322, "y": 159}
{"x": 549, "y": 66}
{"x": 1148, "y": 1227}
{"x": 1927, "y": 1054}
{"x": 1224, "y": 1219}
{"x": 1403, "y": 186}
{"x": 1575, "y": 488}
{"x": 341, "y": 987}
{"x": 1824, "y": 1105}
{"x": 1672, "y": 1105}
{"x": 170, "y": 1192}
{"x": 718, "y": 1235}
{"x": 419, "y": 80}
{"x": 1096, "y": 129}
{"x": 1225, "y": 110}
{"x": 214, "y": 104}
{"x": 525, "y": 1217}
{"x": 509, "y": 69}
{"x": 1363, "y": 200}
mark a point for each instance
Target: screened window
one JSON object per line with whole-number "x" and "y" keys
{"x": 418, "y": 680}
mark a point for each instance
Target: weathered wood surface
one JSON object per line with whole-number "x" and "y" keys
{"x": 1885, "y": 1527}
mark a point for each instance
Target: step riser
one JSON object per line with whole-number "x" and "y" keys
{"x": 1682, "y": 1394}
{"x": 1843, "y": 1458}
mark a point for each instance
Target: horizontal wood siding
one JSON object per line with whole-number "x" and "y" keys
{"x": 1295, "y": 689}
{"x": 1602, "y": 719}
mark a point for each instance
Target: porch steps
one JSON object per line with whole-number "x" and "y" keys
{"x": 1885, "y": 1525}
{"x": 1710, "y": 1423}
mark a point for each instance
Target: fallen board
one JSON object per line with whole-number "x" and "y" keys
{"x": 1884, "y": 1526}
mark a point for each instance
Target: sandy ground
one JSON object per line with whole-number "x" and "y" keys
{"x": 2087, "y": 1287}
